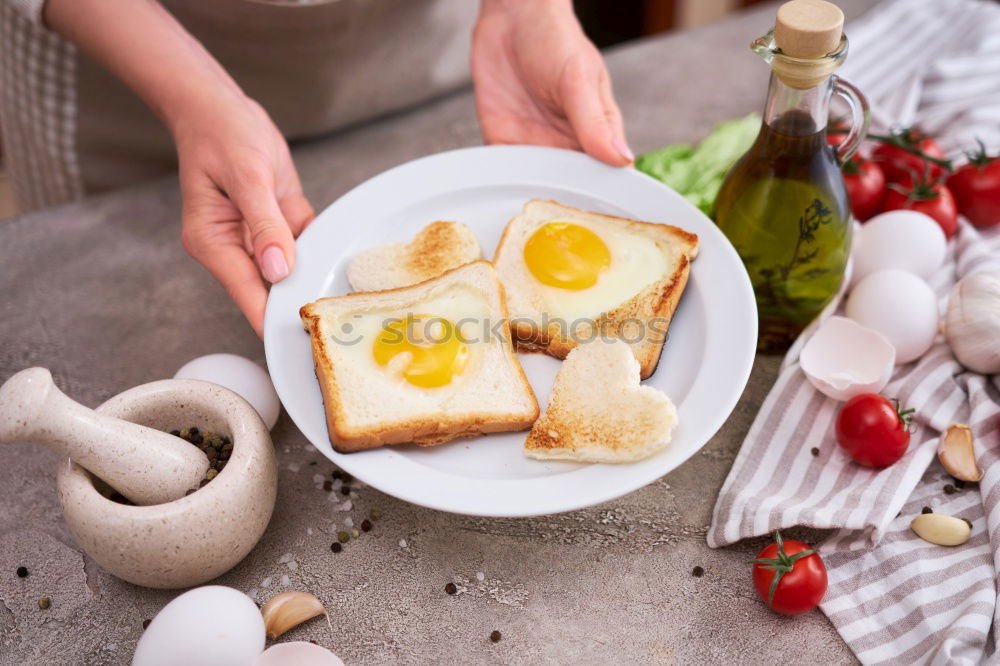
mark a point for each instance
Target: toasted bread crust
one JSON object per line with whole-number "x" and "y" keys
{"x": 657, "y": 301}
{"x": 423, "y": 431}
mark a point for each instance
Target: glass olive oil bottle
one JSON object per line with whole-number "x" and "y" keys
{"x": 783, "y": 205}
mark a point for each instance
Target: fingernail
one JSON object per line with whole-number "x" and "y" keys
{"x": 273, "y": 264}
{"x": 623, "y": 149}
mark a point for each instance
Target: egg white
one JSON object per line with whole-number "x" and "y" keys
{"x": 636, "y": 262}
{"x": 463, "y": 307}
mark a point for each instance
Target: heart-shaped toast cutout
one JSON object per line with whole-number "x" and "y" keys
{"x": 599, "y": 412}
{"x": 438, "y": 247}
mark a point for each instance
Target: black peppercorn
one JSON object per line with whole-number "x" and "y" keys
{"x": 193, "y": 430}
{"x": 336, "y": 547}
{"x": 145, "y": 624}
{"x": 175, "y": 433}
{"x": 450, "y": 588}
{"x": 327, "y": 486}
{"x": 949, "y": 489}
{"x": 697, "y": 572}
{"x": 337, "y": 474}
{"x": 345, "y": 489}
{"x": 366, "y": 525}
{"x": 22, "y": 572}
{"x": 495, "y": 636}
{"x": 814, "y": 450}
{"x": 927, "y": 509}
{"x": 959, "y": 484}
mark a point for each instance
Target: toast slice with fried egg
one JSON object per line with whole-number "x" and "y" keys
{"x": 599, "y": 412}
{"x": 438, "y": 247}
{"x": 425, "y": 363}
{"x": 573, "y": 275}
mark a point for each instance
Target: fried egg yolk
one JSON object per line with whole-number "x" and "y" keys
{"x": 561, "y": 254}
{"x": 437, "y": 352}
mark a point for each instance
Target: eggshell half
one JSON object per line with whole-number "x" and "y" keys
{"x": 297, "y": 653}
{"x": 240, "y": 375}
{"x": 844, "y": 359}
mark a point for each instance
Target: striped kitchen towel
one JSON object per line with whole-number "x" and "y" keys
{"x": 893, "y": 597}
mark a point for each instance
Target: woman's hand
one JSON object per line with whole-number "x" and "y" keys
{"x": 243, "y": 203}
{"x": 539, "y": 80}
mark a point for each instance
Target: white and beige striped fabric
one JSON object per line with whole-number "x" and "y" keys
{"x": 893, "y": 597}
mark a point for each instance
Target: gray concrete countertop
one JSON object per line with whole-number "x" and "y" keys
{"x": 102, "y": 293}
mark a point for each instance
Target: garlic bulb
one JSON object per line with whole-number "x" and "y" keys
{"x": 973, "y": 322}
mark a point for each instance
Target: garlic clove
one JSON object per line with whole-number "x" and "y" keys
{"x": 973, "y": 322}
{"x": 844, "y": 359}
{"x": 941, "y": 529}
{"x": 956, "y": 453}
{"x": 288, "y": 610}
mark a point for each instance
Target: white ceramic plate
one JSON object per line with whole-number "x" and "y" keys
{"x": 704, "y": 367}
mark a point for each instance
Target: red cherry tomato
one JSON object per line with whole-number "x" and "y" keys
{"x": 865, "y": 186}
{"x": 933, "y": 199}
{"x": 789, "y": 576}
{"x": 976, "y": 187}
{"x": 900, "y": 158}
{"x": 872, "y": 430}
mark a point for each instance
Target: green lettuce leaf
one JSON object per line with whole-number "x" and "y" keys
{"x": 697, "y": 172}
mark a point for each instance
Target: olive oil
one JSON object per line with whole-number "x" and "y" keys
{"x": 785, "y": 209}
{"x": 783, "y": 205}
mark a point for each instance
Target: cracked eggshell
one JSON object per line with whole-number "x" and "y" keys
{"x": 297, "y": 653}
{"x": 844, "y": 359}
{"x": 900, "y": 306}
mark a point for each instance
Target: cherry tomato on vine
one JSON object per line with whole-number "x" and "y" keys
{"x": 908, "y": 153}
{"x": 789, "y": 576}
{"x": 865, "y": 184}
{"x": 872, "y": 430}
{"x": 976, "y": 187}
{"x": 930, "y": 198}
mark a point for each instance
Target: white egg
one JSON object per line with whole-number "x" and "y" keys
{"x": 902, "y": 239}
{"x": 843, "y": 359}
{"x": 240, "y": 375}
{"x": 297, "y": 653}
{"x": 207, "y": 626}
{"x": 900, "y": 306}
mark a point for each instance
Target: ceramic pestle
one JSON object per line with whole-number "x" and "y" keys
{"x": 145, "y": 465}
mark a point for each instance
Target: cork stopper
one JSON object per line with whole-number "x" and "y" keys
{"x": 808, "y": 28}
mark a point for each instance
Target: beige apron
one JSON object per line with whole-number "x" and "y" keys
{"x": 315, "y": 67}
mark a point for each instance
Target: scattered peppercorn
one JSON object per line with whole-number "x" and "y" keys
{"x": 327, "y": 486}
{"x": 336, "y": 547}
{"x": 495, "y": 636}
{"x": 337, "y": 474}
{"x": 450, "y": 588}
{"x": 927, "y": 509}
{"x": 203, "y": 482}
{"x": 366, "y": 525}
{"x": 345, "y": 489}
{"x": 22, "y": 572}
{"x": 949, "y": 489}
{"x": 343, "y": 537}
{"x": 175, "y": 433}
{"x": 375, "y": 514}
{"x": 314, "y": 642}
{"x": 814, "y": 450}
{"x": 698, "y": 572}
{"x": 44, "y": 603}
{"x": 145, "y": 624}
{"x": 959, "y": 484}
{"x": 211, "y": 474}
{"x": 355, "y": 533}
{"x": 347, "y": 477}
{"x": 193, "y": 430}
